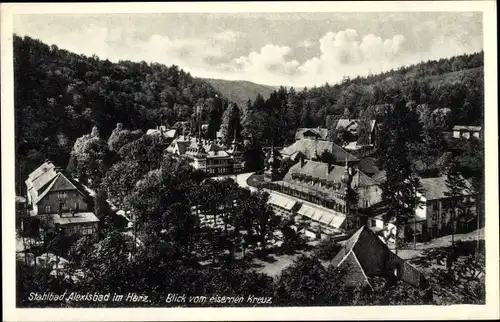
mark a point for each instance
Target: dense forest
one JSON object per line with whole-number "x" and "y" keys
{"x": 453, "y": 86}
{"x": 60, "y": 96}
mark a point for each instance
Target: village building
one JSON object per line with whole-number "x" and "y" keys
{"x": 438, "y": 213}
{"x": 314, "y": 148}
{"x": 352, "y": 128}
{"x": 327, "y": 195}
{"x": 59, "y": 201}
{"x": 209, "y": 156}
{"x": 365, "y": 256}
{"x": 467, "y": 131}
{"x": 311, "y": 133}
{"x": 162, "y": 130}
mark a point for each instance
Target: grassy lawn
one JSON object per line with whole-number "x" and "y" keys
{"x": 255, "y": 180}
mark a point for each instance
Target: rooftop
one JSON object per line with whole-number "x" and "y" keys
{"x": 316, "y": 131}
{"x": 313, "y": 148}
{"x": 436, "y": 188}
{"x": 364, "y": 256}
{"x": 473, "y": 128}
{"x": 79, "y": 217}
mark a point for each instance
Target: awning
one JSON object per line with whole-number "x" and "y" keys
{"x": 327, "y": 217}
{"x": 282, "y": 202}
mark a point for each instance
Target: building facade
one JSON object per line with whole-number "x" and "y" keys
{"x": 438, "y": 214}
{"x": 58, "y": 200}
{"x": 467, "y": 131}
{"x": 209, "y": 156}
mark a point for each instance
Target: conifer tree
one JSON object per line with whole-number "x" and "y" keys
{"x": 399, "y": 191}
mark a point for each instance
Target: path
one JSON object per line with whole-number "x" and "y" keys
{"x": 440, "y": 242}
{"x": 241, "y": 179}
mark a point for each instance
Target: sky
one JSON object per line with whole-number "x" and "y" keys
{"x": 290, "y": 49}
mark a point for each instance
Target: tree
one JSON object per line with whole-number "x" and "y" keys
{"x": 120, "y": 180}
{"x": 302, "y": 283}
{"x": 147, "y": 151}
{"x": 462, "y": 284}
{"x": 327, "y": 249}
{"x": 456, "y": 186}
{"x": 88, "y": 160}
{"x": 399, "y": 191}
{"x": 103, "y": 211}
{"x": 231, "y": 125}
{"x": 120, "y": 137}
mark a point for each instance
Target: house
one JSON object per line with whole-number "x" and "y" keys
{"x": 435, "y": 215}
{"x": 354, "y": 126}
{"x": 436, "y": 204}
{"x": 325, "y": 194}
{"x": 58, "y": 200}
{"x": 168, "y": 134}
{"x": 313, "y": 149}
{"x": 365, "y": 256}
{"x": 311, "y": 133}
{"x": 208, "y": 155}
{"x": 467, "y": 131}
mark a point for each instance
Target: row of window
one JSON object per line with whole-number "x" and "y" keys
{"x": 64, "y": 207}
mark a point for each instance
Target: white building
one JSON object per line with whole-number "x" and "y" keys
{"x": 467, "y": 131}
{"x": 436, "y": 214}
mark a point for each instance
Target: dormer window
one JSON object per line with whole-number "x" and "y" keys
{"x": 62, "y": 194}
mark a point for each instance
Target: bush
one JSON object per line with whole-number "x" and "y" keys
{"x": 327, "y": 249}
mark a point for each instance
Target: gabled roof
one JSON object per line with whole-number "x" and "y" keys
{"x": 368, "y": 165}
{"x": 467, "y": 128}
{"x": 42, "y": 176}
{"x": 332, "y": 173}
{"x": 435, "y": 188}
{"x": 318, "y": 131}
{"x": 60, "y": 183}
{"x": 47, "y": 165}
{"x": 352, "y": 124}
{"x": 361, "y": 179}
{"x": 379, "y": 176}
{"x": 310, "y": 147}
{"x": 347, "y": 123}
{"x": 167, "y": 133}
{"x": 365, "y": 253}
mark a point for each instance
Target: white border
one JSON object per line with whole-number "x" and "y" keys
{"x": 488, "y": 311}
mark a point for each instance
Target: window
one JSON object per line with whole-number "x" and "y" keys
{"x": 47, "y": 209}
{"x": 77, "y": 206}
{"x": 62, "y": 194}
{"x": 64, "y": 206}
{"x": 87, "y": 229}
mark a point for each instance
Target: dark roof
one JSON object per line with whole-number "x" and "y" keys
{"x": 467, "y": 128}
{"x": 313, "y": 148}
{"x": 365, "y": 255}
{"x": 61, "y": 183}
{"x": 379, "y": 176}
{"x": 368, "y": 165}
{"x": 318, "y": 131}
{"x": 332, "y": 173}
{"x": 435, "y": 188}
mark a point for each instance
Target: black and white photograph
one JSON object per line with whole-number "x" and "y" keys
{"x": 250, "y": 158}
